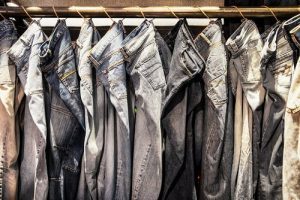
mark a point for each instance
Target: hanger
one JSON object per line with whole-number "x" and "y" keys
{"x": 141, "y": 10}
{"x": 173, "y": 13}
{"x": 27, "y": 13}
{"x": 240, "y": 12}
{"x": 2, "y": 16}
{"x": 79, "y": 13}
{"x": 204, "y": 13}
{"x": 55, "y": 12}
{"x": 271, "y": 12}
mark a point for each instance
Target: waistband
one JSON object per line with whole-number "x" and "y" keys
{"x": 86, "y": 28}
{"x": 140, "y": 37}
{"x": 96, "y": 55}
{"x": 24, "y": 42}
{"x": 211, "y": 36}
{"x": 188, "y": 39}
{"x": 47, "y": 48}
{"x": 171, "y": 36}
{"x": 246, "y": 32}
{"x": 293, "y": 27}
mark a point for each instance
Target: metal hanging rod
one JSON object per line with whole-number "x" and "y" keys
{"x": 150, "y": 12}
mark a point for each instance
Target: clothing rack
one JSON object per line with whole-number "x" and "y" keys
{"x": 150, "y": 12}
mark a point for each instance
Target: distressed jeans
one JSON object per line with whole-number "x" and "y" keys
{"x": 144, "y": 67}
{"x": 245, "y": 46}
{"x": 180, "y": 108}
{"x": 9, "y": 135}
{"x": 64, "y": 113}
{"x": 87, "y": 39}
{"x": 216, "y": 158}
{"x": 277, "y": 66}
{"x": 33, "y": 167}
{"x": 113, "y": 166}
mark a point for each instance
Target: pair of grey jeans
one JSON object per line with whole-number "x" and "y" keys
{"x": 245, "y": 46}
{"x": 87, "y": 39}
{"x": 33, "y": 183}
{"x": 277, "y": 66}
{"x": 217, "y": 143}
{"x": 110, "y": 176}
{"x": 179, "y": 116}
{"x": 144, "y": 67}
{"x": 9, "y": 104}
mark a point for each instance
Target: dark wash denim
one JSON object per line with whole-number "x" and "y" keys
{"x": 9, "y": 136}
{"x": 216, "y": 159}
{"x": 144, "y": 67}
{"x": 183, "y": 97}
{"x": 33, "y": 168}
{"x": 277, "y": 66}
{"x": 245, "y": 46}
{"x": 114, "y": 173}
{"x": 65, "y": 114}
{"x": 87, "y": 39}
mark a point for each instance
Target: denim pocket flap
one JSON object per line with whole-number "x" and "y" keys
{"x": 152, "y": 70}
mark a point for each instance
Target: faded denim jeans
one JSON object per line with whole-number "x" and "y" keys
{"x": 9, "y": 136}
{"x": 277, "y": 66}
{"x": 291, "y": 151}
{"x": 144, "y": 67}
{"x": 113, "y": 166}
{"x": 291, "y": 157}
{"x": 87, "y": 39}
{"x": 65, "y": 114}
{"x": 216, "y": 158}
{"x": 180, "y": 106}
{"x": 245, "y": 45}
{"x": 33, "y": 167}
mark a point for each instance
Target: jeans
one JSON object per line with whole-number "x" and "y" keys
{"x": 9, "y": 136}
{"x": 64, "y": 112}
{"x": 144, "y": 67}
{"x": 245, "y": 46}
{"x": 114, "y": 176}
{"x": 33, "y": 167}
{"x": 277, "y": 67}
{"x": 216, "y": 162}
{"x": 291, "y": 158}
{"x": 180, "y": 106}
{"x": 88, "y": 38}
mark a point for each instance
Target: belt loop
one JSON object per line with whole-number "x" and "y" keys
{"x": 124, "y": 53}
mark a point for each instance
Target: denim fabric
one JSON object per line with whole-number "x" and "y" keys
{"x": 216, "y": 162}
{"x": 245, "y": 45}
{"x": 277, "y": 66}
{"x": 114, "y": 176}
{"x": 33, "y": 168}
{"x": 144, "y": 67}
{"x": 65, "y": 113}
{"x": 9, "y": 138}
{"x": 183, "y": 98}
{"x": 291, "y": 157}
{"x": 88, "y": 38}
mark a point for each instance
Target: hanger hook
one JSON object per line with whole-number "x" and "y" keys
{"x": 55, "y": 12}
{"x": 239, "y": 11}
{"x": 26, "y": 13}
{"x": 173, "y": 13}
{"x": 104, "y": 10}
{"x": 204, "y": 13}
{"x": 141, "y": 10}
{"x": 271, "y": 12}
{"x": 79, "y": 13}
{"x": 2, "y": 15}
